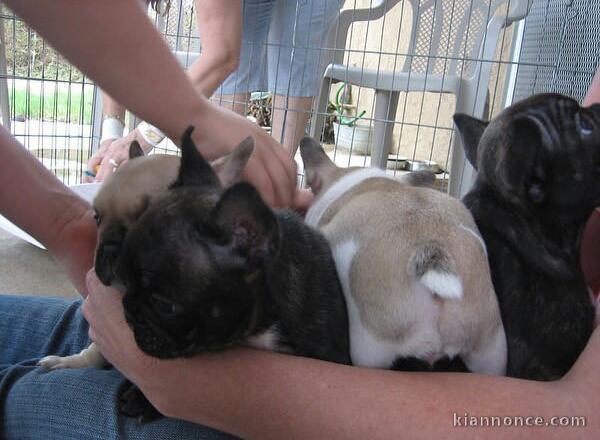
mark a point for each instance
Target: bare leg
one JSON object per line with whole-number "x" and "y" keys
{"x": 290, "y": 116}
{"x": 237, "y": 103}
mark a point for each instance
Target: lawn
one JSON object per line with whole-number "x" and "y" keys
{"x": 58, "y": 105}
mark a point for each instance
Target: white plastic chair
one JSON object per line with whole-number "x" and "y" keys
{"x": 451, "y": 50}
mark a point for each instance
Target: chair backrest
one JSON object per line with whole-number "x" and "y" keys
{"x": 448, "y": 35}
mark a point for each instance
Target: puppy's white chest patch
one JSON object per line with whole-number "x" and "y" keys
{"x": 267, "y": 340}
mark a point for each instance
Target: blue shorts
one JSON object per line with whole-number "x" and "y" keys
{"x": 283, "y": 46}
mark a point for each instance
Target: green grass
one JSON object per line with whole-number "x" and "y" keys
{"x": 55, "y": 106}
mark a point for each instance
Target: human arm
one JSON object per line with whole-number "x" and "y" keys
{"x": 593, "y": 94}
{"x": 34, "y": 199}
{"x": 220, "y": 28}
{"x": 259, "y": 394}
{"x": 590, "y": 253}
{"x": 220, "y": 56}
{"x": 162, "y": 96}
{"x": 113, "y": 117}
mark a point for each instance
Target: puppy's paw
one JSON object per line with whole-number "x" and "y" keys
{"x": 132, "y": 403}
{"x": 58, "y": 362}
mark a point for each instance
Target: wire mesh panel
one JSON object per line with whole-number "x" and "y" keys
{"x": 382, "y": 109}
{"x": 50, "y": 103}
{"x": 560, "y": 48}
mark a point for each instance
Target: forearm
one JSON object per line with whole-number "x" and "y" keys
{"x": 220, "y": 27}
{"x": 266, "y": 395}
{"x": 111, "y": 107}
{"x": 161, "y": 95}
{"x": 31, "y": 197}
{"x": 207, "y": 74}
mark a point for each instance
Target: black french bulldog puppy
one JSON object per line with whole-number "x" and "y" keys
{"x": 538, "y": 181}
{"x": 206, "y": 268}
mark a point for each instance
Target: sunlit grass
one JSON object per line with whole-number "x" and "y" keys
{"x": 60, "y": 105}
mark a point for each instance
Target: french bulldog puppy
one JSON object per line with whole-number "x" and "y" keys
{"x": 538, "y": 181}
{"x": 413, "y": 270}
{"x": 121, "y": 200}
{"x": 206, "y": 268}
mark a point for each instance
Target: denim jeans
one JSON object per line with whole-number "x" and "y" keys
{"x": 64, "y": 404}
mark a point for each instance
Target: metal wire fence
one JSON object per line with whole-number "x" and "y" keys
{"x": 391, "y": 73}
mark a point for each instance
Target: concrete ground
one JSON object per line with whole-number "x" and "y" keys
{"x": 27, "y": 270}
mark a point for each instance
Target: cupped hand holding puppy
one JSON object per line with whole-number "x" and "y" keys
{"x": 103, "y": 310}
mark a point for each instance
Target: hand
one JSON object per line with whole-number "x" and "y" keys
{"x": 74, "y": 247}
{"x": 270, "y": 169}
{"x": 116, "y": 151}
{"x": 103, "y": 310}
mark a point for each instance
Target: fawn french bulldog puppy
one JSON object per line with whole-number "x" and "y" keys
{"x": 538, "y": 181}
{"x": 413, "y": 270}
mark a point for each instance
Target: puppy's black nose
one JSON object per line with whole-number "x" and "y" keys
{"x": 111, "y": 250}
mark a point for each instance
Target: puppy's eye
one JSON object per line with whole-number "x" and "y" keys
{"x": 164, "y": 306}
{"x": 97, "y": 218}
{"x": 585, "y": 126}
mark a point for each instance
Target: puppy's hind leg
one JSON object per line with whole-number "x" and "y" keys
{"x": 490, "y": 357}
{"x": 88, "y": 357}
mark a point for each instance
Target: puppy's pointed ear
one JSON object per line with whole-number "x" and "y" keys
{"x": 470, "y": 129}
{"x": 318, "y": 168}
{"x": 243, "y": 216}
{"x": 229, "y": 168}
{"x": 194, "y": 170}
{"x": 519, "y": 164}
{"x": 135, "y": 150}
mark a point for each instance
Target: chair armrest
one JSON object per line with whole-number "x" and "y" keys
{"x": 518, "y": 10}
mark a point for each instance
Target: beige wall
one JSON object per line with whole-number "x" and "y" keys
{"x": 423, "y": 126}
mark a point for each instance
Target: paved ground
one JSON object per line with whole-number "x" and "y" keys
{"x": 25, "y": 269}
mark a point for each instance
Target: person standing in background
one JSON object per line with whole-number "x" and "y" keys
{"x": 249, "y": 45}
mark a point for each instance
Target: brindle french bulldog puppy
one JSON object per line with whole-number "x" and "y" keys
{"x": 206, "y": 268}
{"x": 538, "y": 181}
{"x": 121, "y": 200}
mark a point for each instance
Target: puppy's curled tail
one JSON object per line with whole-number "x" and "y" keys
{"x": 433, "y": 268}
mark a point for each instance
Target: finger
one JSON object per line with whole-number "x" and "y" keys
{"x": 92, "y": 335}
{"x": 288, "y": 164}
{"x": 85, "y": 310}
{"x": 105, "y": 170}
{"x": 303, "y": 199}
{"x": 92, "y": 281}
{"x": 284, "y": 191}
{"x": 256, "y": 175}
